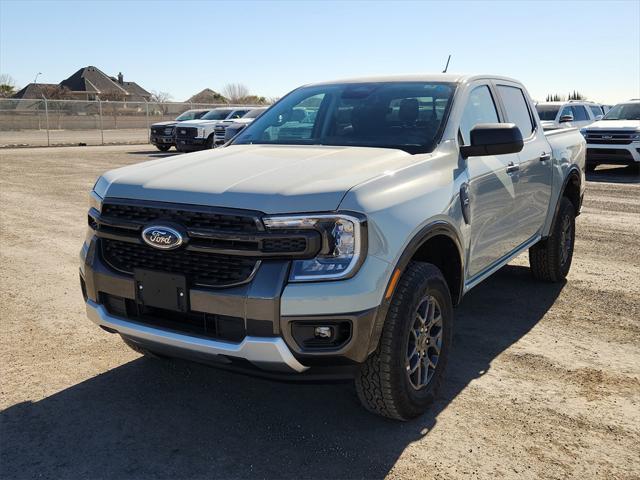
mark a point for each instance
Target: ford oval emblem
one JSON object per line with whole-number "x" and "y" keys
{"x": 164, "y": 238}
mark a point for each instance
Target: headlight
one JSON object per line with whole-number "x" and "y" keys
{"x": 200, "y": 132}
{"x": 583, "y": 131}
{"x": 95, "y": 201}
{"x": 635, "y": 137}
{"x": 343, "y": 244}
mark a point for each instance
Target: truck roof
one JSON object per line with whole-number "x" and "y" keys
{"x": 419, "y": 77}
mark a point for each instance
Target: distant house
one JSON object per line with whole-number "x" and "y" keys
{"x": 89, "y": 83}
{"x": 34, "y": 90}
{"x": 207, "y": 96}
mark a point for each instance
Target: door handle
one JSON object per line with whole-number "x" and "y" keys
{"x": 545, "y": 156}
{"x": 511, "y": 168}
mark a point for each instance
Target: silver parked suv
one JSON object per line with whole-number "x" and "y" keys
{"x": 336, "y": 233}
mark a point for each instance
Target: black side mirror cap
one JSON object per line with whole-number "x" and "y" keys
{"x": 493, "y": 139}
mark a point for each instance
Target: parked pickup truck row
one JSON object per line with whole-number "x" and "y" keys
{"x": 196, "y": 129}
{"x": 333, "y": 236}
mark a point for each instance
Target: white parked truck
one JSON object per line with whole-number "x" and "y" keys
{"x": 198, "y": 134}
{"x": 335, "y": 234}
{"x": 228, "y": 129}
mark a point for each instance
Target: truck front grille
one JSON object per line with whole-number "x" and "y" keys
{"x": 186, "y": 132}
{"x": 200, "y": 268}
{"x": 609, "y": 137}
{"x": 187, "y": 217}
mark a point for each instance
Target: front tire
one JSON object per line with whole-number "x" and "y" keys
{"x": 550, "y": 259}
{"x": 163, "y": 148}
{"x": 401, "y": 378}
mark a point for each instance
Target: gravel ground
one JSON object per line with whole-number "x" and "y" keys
{"x": 544, "y": 381}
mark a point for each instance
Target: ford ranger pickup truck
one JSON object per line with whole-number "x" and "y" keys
{"x": 198, "y": 134}
{"x": 162, "y": 134}
{"x": 616, "y": 138}
{"x": 334, "y": 235}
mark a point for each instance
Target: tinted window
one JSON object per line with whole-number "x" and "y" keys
{"x": 480, "y": 109}
{"x": 216, "y": 115}
{"x": 517, "y": 109}
{"x": 547, "y": 112}
{"x": 237, "y": 114}
{"x": 596, "y": 110}
{"x": 403, "y": 115}
{"x": 579, "y": 113}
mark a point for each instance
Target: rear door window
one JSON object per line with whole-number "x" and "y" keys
{"x": 596, "y": 110}
{"x": 579, "y": 113}
{"x": 517, "y": 109}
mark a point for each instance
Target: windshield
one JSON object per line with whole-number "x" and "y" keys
{"x": 404, "y": 115}
{"x": 624, "y": 111}
{"x": 216, "y": 115}
{"x": 254, "y": 113}
{"x": 191, "y": 115}
{"x": 547, "y": 112}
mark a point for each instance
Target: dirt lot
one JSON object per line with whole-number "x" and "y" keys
{"x": 38, "y": 138}
{"x": 544, "y": 381}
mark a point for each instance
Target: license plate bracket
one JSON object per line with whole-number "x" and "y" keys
{"x": 161, "y": 290}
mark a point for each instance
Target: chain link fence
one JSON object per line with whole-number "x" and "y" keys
{"x": 43, "y": 122}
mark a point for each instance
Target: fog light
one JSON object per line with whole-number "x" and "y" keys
{"x": 323, "y": 332}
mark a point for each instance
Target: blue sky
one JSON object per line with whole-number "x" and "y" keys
{"x": 272, "y": 47}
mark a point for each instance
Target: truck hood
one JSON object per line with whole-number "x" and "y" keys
{"x": 164, "y": 124}
{"x": 615, "y": 125}
{"x": 198, "y": 123}
{"x": 267, "y": 178}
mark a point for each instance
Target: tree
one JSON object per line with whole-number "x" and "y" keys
{"x": 7, "y": 86}
{"x": 236, "y": 92}
{"x": 576, "y": 96}
{"x": 160, "y": 97}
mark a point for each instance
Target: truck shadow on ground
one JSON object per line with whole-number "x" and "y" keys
{"x": 614, "y": 174}
{"x": 156, "y": 153}
{"x": 154, "y": 419}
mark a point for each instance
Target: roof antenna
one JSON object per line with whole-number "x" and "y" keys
{"x": 447, "y": 65}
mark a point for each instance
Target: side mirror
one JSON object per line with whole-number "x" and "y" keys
{"x": 493, "y": 139}
{"x": 566, "y": 118}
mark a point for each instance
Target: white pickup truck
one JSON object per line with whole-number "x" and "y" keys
{"x": 335, "y": 234}
{"x": 198, "y": 134}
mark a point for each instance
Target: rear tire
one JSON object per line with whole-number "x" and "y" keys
{"x": 401, "y": 378}
{"x": 550, "y": 259}
{"x": 209, "y": 142}
{"x": 163, "y": 148}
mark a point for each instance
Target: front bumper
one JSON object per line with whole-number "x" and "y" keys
{"x": 269, "y": 345}
{"x": 190, "y": 144}
{"x": 162, "y": 140}
{"x": 613, "y": 154}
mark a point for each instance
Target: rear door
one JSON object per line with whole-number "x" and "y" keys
{"x": 533, "y": 189}
{"x": 491, "y": 185}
